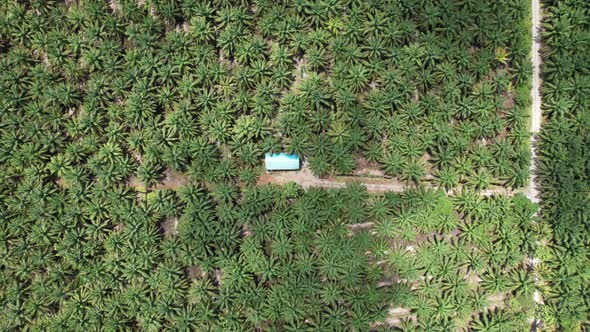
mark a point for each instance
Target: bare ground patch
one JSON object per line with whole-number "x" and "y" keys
{"x": 496, "y": 300}
{"x": 195, "y": 272}
{"x": 395, "y": 315}
{"x": 169, "y": 226}
{"x": 173, "y": 180}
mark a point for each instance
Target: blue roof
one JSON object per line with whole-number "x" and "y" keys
{"x": 281, "y": 162}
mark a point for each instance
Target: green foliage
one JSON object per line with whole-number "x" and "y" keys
{"x": 563, "y": 162}
{"x": 131, "y": 135}
{"x": 280, "y": 255}
{"x": 418, "y": 89}
{"x": 463, "y": 265}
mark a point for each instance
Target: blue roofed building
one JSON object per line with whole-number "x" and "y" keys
{"x": 281, "y": 162}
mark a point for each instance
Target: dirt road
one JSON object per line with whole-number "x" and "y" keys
{"x": 306, "y": 179}
{"x": 374, "y": 184}
{"x": 536, "y": 116}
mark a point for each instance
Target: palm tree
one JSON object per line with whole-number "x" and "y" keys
{"x": 379, "y": 208}
{"x": 229, "y": 38}
{"x": 447, "y": 178}
{"x": 413, "y": 171}
{"x": 469, "y": 203}
{"x": 492, "y": 320}
{"x": 342, "y": 160}
{"x": 358, "y": 78}
{"x": 149, "y": 172}
{"x": 493, "y": 280}
{"x": 316, "y": 58}
{"x": 480, "y": 180}
{"x": 443, "y": 307}
{"x": 319, "y": 165}
{"x": 521, "y": 282}
{"x": 392, "y": 163}
{"x": 314, "y": 92}
{"x": 59, "y": 165}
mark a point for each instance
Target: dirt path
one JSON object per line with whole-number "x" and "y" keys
{"x": 172, "y": 180}
{"x": 374, "y": 184}
{"x": 536, "y": 116}
{"x": 306, "y": 179}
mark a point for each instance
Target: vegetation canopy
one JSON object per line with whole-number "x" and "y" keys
{"x": 417, "y": 88}
{"x": 563, "y": 163}
{"x": 132, "y": 135}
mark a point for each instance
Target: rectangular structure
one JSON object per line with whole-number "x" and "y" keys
{"x": 281, "y": 162}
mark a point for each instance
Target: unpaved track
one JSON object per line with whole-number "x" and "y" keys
{"x": 306, "y": 179}
{"x": 536, "y": 116}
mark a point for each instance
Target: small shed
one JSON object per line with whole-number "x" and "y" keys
{"x": 281, "y": 162}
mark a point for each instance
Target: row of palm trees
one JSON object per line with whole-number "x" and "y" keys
{"x": 563, "y": 172}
